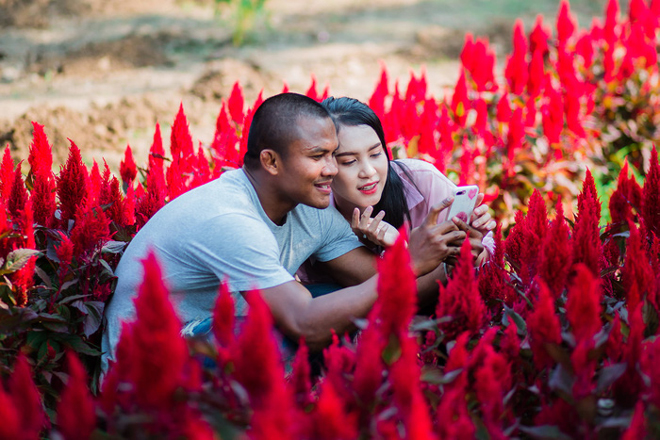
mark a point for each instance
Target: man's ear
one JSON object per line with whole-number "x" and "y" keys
{"x": 270, "y": 161}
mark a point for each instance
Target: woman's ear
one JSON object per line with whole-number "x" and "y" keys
{"x": 270, "y": 161}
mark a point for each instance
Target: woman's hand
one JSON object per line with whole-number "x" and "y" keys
{"x": 375, "y": 229}
{"x": 474, "y": 235}
{"x": 481, "y": 218}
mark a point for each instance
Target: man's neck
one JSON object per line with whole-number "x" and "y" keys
{"x": 344, "y": 207}
{"x": 275, "y": 208}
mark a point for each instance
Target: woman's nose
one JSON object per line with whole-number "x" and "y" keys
{"x": 367, "y": 170}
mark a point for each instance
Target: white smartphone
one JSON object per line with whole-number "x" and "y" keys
{"x": 465, "y": 199}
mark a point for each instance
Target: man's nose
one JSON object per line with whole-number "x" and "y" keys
{"x": 330, "y": 167}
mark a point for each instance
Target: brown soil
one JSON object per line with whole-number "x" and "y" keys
{"x": 102, "y": 73}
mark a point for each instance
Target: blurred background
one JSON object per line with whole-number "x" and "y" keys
{"x": 102, "y": 73}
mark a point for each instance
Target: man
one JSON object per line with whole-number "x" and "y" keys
{"x": 255, "y": 226}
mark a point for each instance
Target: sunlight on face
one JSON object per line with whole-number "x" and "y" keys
{"x": 362, "y": 164}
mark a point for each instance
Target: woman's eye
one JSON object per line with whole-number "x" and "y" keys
{"x": 377, "y": 154}
{"x": 348, "y": 162}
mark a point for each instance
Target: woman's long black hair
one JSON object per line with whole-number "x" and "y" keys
{"x": 351, "y": 112}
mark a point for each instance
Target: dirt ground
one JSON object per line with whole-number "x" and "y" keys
{"x": 102, "y": 73}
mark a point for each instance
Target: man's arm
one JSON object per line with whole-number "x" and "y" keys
{"x": 298, "y": 315}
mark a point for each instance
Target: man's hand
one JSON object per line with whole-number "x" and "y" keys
{"x": 474, "y": 235}
{"x": 481, "y": 218}
{"x": 374, "y": 229}
{"x": 432, "y": 243}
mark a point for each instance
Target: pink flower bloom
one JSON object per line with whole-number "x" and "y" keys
{"x": 538, "y": 38}
{"x": 460, "y": 103}
{"x": 565, "y": 23}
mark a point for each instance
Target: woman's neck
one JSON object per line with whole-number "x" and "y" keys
{"x": 345, "y": 207}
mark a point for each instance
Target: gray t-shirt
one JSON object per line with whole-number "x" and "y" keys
{"x": 219, "y": 231}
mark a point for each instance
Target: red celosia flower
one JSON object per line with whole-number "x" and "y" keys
{"x": 377, "y": 99}
{"x": 459, "y": 354}
{"x": 311, "y": 91}
{"x": 467, "y": 53}
{"x": 71, "y": 186}
{"x": 127, "y": 167}
{"x": 159, "y": 353}
{"x": 64, "y": 252}
{"x": 503, "y": 109}
{"x": 91, "y": 229}
{"x": 428, "y": 125}
{"x": 460, "y": 299}
{"x": 614, "y": 348}
{"x": 76, "y": 417}
{"x": 585, "y": 49}
{"x": 300, "y": 376}
{"x": 637, "y": 270}
{"x": 494, "y": 282}
{"x": 43, "y": 199}
{"x": 651, "y": 195}
{"x": 446, "y": 128}
{"x": 628, "y": 387}
{"x": 329, "y": 420}
{"x": 453, "y": 417}
{"x": 543, "y": 327}
{"x": 18, "y": 196}
{"x": 492, "y": 382}
{"x": 369, "y": 366}
{"x": 516, "y": 71}
{"x": 408, "y": 397}
{"x": 397, "y": 291}
{"x": 483, "y": 70}
{"x": 583, "y": 305}
{"x": 11, "y": 418}
{"x": 6, "y": 174}
{"x": 610, "y": 29}
{"x": 94, "y": 184}
{"x": 555, "y": 260}
{"x": 637, "y": 428}
{"x": 649, "y": 364}
{"x": 510, "y": 342}
{"x": 587, "y": 247}
{"x": 565, "y": 23}
{"x": 181, "y": 145}
{"x": 392, "y": 122}
{"x": 23, "y": 279}
{"x": 236, "y": 103}
{"x": 584, "y": 369}
{"x": 553, "y": 114}
{"x": 538, "y": 38}
{"x": 460, "y": 103}
{"x": 225, "y": 141}
{"x": 223, "y": 322}
{"x": 41, "y": 154}
{"x": 269, "y": 397}
{"x": 536, "y": 77}
{"x": 26, "y": 399}
{"x": 339, "y": 360}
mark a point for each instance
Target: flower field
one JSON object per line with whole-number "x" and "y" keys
{"x": 554, "y": 338}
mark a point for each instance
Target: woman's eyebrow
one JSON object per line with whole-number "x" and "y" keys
{"x": 349, "y": 153}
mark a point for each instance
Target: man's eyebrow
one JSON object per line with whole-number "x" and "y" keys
{"x": 349, "y": 153}
{"x": 317, "y": 150}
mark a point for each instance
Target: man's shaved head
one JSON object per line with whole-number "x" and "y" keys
{"x": 275, "y": 124}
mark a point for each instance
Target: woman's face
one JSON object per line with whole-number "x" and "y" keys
{"x": 362, "y": 164}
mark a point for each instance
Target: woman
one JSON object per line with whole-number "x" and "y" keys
{"x": 396, "y": 190}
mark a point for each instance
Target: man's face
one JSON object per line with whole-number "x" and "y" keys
{"x": 308, "y": 166}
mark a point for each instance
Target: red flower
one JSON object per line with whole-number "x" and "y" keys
{"x": 585, "y": 49}
{"x": 76, "y": 417}
{"x": 300, "y": 376}
{"x": 553, "y": 114}
{"x": 377, "y": 100}
{"x": 460, "y": 299}
{"x": 6, "y": 174}
{"x": 223, "y": 322}
{"x": 637, "y": 274}
{"x": 127, "y": 167}
{"x": 454, "y": 421}
{"x": 91, "y": 229}
{"x": 649, "y": 364}
{"x": 538, "y": 38}
{"x": 27, "y": 399}
{"x": 516, "y": 71}
{"x": 369, "y": 366}
{"x": 181, "y": 145}
{"x": 460, "y": 103}
{"x": 555, "y": 260}
{"x": 11, "y": 422}
{"x": 236, "y": 103}
{"x": 565, "y": 23}
{"x": 610, "y": 29}
{"x": 492, "y": 382}
{"x": 536, "y": 75}
{"x": 583, "y": 305}
{"x": 428, "y": 125}
{"x": 311, "y": 91}
{"x": 651, "y": 195}
{"x": 158, "y": 352}
{"x": 587, "y": 247}
{"x": 329, "y": 420}
{"x": 18, "y": 196}
{"x": 503, "y": 109}
{"x": 71, "y": 186}
{"x": 584, "y": 369}
{"x": 637, "y": 428}
{"x": 543, "y": 327}
{"x": 408, "y": 397}
{"x": 225, "y": 141}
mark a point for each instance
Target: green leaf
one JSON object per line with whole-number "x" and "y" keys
{"x": 77, "y": 344}
{"x": 13, "y": 320}
{"x": 436, "y": 377}
{"x": 544, "y": 432}
{"x": 521, "y": 325}
{"x": 608, "y": 375}
{"x": 114, "y": 247}
{"x": 17, "y": 259}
